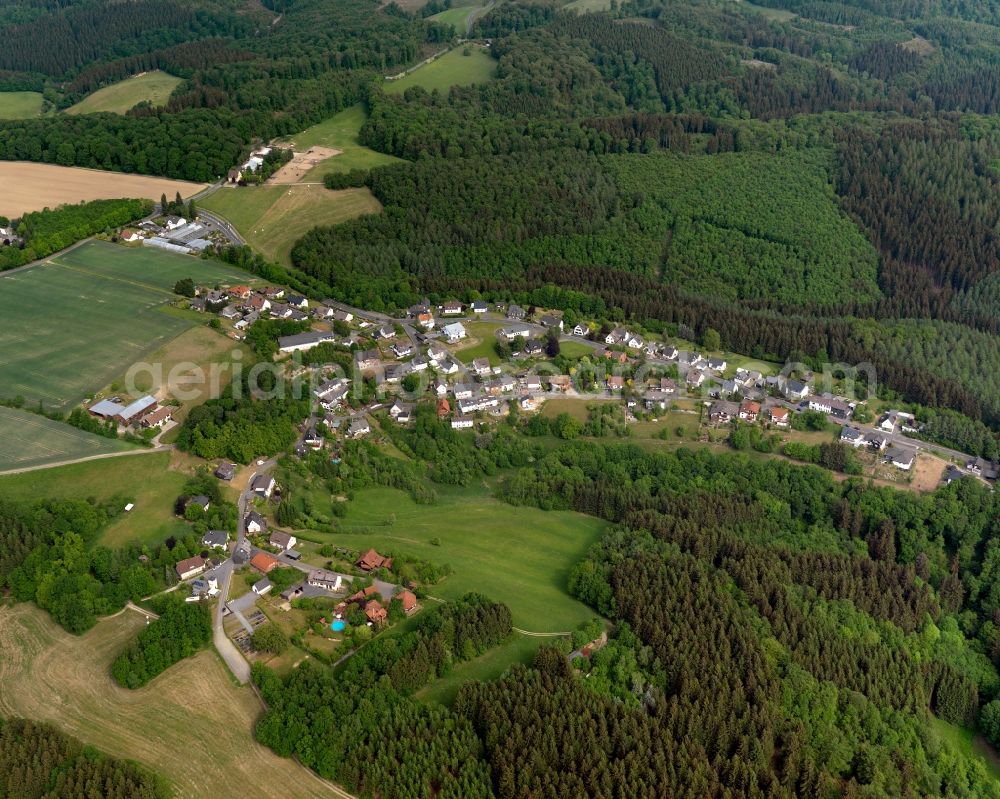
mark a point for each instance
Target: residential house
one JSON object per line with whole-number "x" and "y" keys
{"x": 342, "y": 316}
{"x": 580, "y": 330}
{"x": 983, "y": 468}
{"x": 451, "y": 308}
{"x": 370, "y": 560}
{"x": 408, "y": 600}
{"x": 514, "y": 331}
{"x": 260, "y": 303}
{"x": 128, "y": 236}
{"x": 262, "y": 586}
{"x": 325, "y": 580}
{"x": 694, "y": 378}
{"x": 322, "y": 312}
{"x": 722, "y": 412}
{"x": 876, "y": 440}
{"x": 615, "y": 382}
{"x": 778, "y": 416}
{"x": 448, "y": 366}
{"x": 454, "y": 332}
{"x": 550, "y": 320}
{"x": 533, "y": 347}
{"x": 656, "y": 400}
{"x": 298, "y": 302}
{"x": 516, "y": 312}
{"x": 852, "y": 436}
{"x": 359, "y": 427}
{"x": 199, "y": 501}
{"x": 717, "y": 364}
{"x": 669, "y": 353}
{"x": 262, "y": 485}
{"x": 387, "y": 331}
{"x": 426, "y": 320}
{"x": 274, "y": 292}
{"x": 901, "y": 457}
{"x": 215, "y": 539}
{"x": 532, "y": 382}
{"x": 560, "y": 383}
{"x": 462, "y": 391}
{"x": 749, "y": 410}
{"x": 226, "y": 471}
{"x": 462, "y": 422}
{"x": 480, "y": 307}
{"x": 612, "y": 355}
{"x": 240, "y": 292}
{"x": 402, "y": 348}
{"x": 635, "y": 342}
{"x": 482, "y": 367}
{"x": 367, "y": 360}
{"x": 173, "y": 222}
{"x": 443, "y": 407}
{"x": 331, "y": 391}
{"x": 264, "y": 562}
{"x": 402, "y": 412}
{"x": 419, "y": 363}
{"x": 282, "y": 540}
{"x": 376, "y": 614}
{"x": 157, "y": 418}
{"x": 190, "y": 567}
{"x": 617, "y": 336}
{"x": 796, "y": 389}
{"x": 254, "y": 522}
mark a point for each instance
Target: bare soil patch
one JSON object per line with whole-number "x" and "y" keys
{"x": 927, "y": 472}
{"x": 918, "y": 45}
{"x": 295, "y": 170}
{"x": 32, "y": 187}
{"x": 756, "y": 63}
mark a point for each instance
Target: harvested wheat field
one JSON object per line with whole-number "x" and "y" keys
{"x": 191, "y": 724}
{"x": 296, "y": 169}
{"x": 32, "y": 187}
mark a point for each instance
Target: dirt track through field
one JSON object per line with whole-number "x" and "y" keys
{"x": 32, "y": 187}
{"x": 191, "y": 723}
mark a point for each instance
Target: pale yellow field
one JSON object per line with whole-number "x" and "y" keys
{"x": 191, "y": 724}
{"x": 32, "y": 187}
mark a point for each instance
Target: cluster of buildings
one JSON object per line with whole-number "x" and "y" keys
{"x": 173, "y": 233}
{"x": 144, "y": 412}
{"x": 253, "y": 163}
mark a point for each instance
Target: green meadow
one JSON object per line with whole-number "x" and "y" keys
{"x": 452, "y": 69}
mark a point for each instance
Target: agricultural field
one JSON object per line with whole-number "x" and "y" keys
{"x": 28, "y": 440}
{"x": 520, "y": 556}
{"x": 154, "y": 87}
{"x": 151, "y": 480}
{"x": 273, "y": 218}
{"x": 191, "y": 724}
{"x": 452, "y": 69}
{"x": 32, "y": 187}
{"x": 20, "y": 105}
{"x": 76, "y": 323}
{"x": 340, "y": 132}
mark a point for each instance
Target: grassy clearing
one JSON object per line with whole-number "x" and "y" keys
{"x": 458, "y": 16}
{"x": 519, "y": 649}
{"x": 575, "y": 349}
{"x": 451, "y": 69}
{"x": 152, "y": 481}
{"x": 153, "y": 87}
{"x": 779, "y": 14}
{"x": 575, "y": 406}
{"x": 970, "y": 745}
{"x": 190, "y": 724}
{"x": 585, "y": 6}
{"x": 75, "y": 324}
{"x": 340, "y": 132}
{"x": 273, "y": 218}
{"x": 480, "y": 343}
{"x": 20, "y": 105}
{"x": 30, "y": 440}
{"x": 521, "y": 556}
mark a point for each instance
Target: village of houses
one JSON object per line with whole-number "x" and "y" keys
{"x": 651, "y": 380}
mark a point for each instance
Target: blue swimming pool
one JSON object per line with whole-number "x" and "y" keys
{"x": 338, "y": 625}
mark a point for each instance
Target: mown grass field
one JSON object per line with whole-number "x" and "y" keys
{"x": 153, "y": 481}
{"x": 340, "y": 132}
{"x": 20, "y": 105}
{"x": 521, "y": 556}
{"x": 27, "y": 439}
{"x": 191, "y": 724}
{"x": 970, "y": 745}
{"x": 155, "y": 87}
{"x": 451, "y": 69}
{"x": 76, "y": 323}
{"x": 273, "y": 218}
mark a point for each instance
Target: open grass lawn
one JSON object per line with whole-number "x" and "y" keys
{"x": 458, "y": 15}
{"x": 451, "y": 69}
{"x": 76, "y": 323}
{"x": 577, "y": 407}
{"x": 520, "y": 556}
{"x": 340, "y": 132}
{"x": 480, "y": 343}
{"x": 273, "y": 218}
{"x": 30, "y": 440}
{"x": 20, "y": 105}
{"x": 156, "y": 87}
{"x": 153, "y": 481}
{"x": 575, "y": 349}
{"x": 971, "y": 745}
{"x": 191, "y": 724}
{"x": 518, "y": 649}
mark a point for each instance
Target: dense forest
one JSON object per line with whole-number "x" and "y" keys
{"x": 40, "y": 762}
